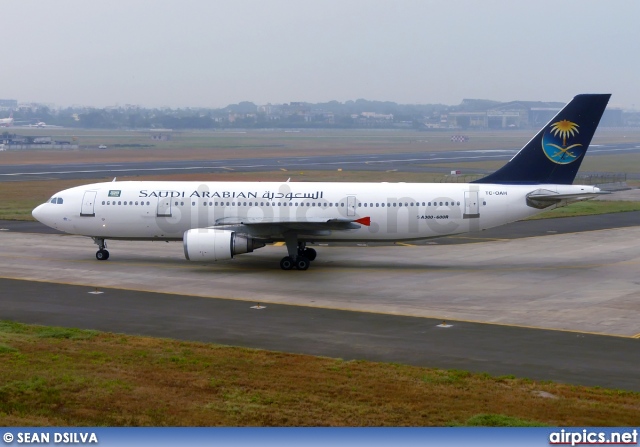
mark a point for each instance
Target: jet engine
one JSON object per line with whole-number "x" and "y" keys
{"x": 207, "y": 244}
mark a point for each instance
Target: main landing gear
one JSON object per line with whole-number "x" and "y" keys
{"x": 102, "y": 254}
{"x": 299, "y": 257}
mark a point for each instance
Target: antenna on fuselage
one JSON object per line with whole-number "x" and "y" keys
{"x": 114, "y": 179}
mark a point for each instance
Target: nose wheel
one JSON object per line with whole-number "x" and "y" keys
{"x": 102, "y": 254}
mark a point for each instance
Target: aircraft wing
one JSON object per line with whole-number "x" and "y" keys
{"x": 281, "y": 225}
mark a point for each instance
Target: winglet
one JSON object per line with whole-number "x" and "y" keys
{"x": 366, "y": 221}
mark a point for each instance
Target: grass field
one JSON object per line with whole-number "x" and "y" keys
{"x": 53, "y": 376}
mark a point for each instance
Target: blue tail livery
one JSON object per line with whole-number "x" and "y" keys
{"x": 554, "y": 155}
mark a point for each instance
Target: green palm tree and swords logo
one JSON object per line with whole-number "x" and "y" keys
{"x": 554, "y": 142}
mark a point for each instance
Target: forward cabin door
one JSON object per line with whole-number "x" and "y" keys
{"x": 88, "y": 204}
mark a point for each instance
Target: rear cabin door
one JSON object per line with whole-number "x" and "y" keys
{"x": 88, "y": 204}
{"x": 471, "y": 205}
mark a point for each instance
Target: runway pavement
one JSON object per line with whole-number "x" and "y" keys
{"x": 499, "y": 350}
{"x": 533, "y": 306}
{"x": 406, "y": 162}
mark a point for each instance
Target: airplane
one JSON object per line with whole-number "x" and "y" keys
{"x": 42, "y": 125}
{"x": 218, "y": 220}
{"x": 7, "y": 122}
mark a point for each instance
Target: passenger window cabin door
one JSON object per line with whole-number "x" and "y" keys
{"x": 471, "y": 205}
{"x": 164, "y": 207}
{"x": 88, "y": 204}
{"x": 351, "y": 205}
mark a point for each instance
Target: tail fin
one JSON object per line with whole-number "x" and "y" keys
{"x": 554, "y": 155}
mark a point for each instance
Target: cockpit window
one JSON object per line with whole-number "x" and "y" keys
{"x": 53, "y": 200}
{"x": 59, "y": 200}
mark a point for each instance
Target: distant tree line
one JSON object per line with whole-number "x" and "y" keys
{"x": 333, "y": 114}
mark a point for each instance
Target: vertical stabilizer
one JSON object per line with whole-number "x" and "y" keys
{"x": 554, "y": 155}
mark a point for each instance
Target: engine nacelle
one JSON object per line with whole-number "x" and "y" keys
{"x": 207, "y": 244}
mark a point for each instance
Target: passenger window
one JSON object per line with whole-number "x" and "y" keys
{"x": 119, "y": 203}
{"x": 193, "y": 203}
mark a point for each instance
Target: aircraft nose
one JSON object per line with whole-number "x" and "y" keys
{"x": 38, "y": 212}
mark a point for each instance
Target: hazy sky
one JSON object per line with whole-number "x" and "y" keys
{"x": 212, "y": 53}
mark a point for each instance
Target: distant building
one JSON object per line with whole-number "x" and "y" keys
{"x": 161, "y": 134}
{"x": 8, "y": 104}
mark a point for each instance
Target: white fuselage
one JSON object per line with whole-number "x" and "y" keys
{"x": 398, "y": 211}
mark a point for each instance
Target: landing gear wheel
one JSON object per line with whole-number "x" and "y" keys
{"x": 302, "y": 263}
{"x": 286, "y": 263}
{"x": 310, "y": 254}
{"x": 102, "y": 255}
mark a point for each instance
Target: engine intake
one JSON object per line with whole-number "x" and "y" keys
{"x": 207, "y": 244}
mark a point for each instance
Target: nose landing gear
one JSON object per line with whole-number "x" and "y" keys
{"x": 102, "y": 254}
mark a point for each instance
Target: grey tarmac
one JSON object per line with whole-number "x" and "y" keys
{"x": 558, "y": 306}
{"x": 405, "y": 162}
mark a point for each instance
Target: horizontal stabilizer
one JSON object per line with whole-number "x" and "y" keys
{"x": 542, "y": 198}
